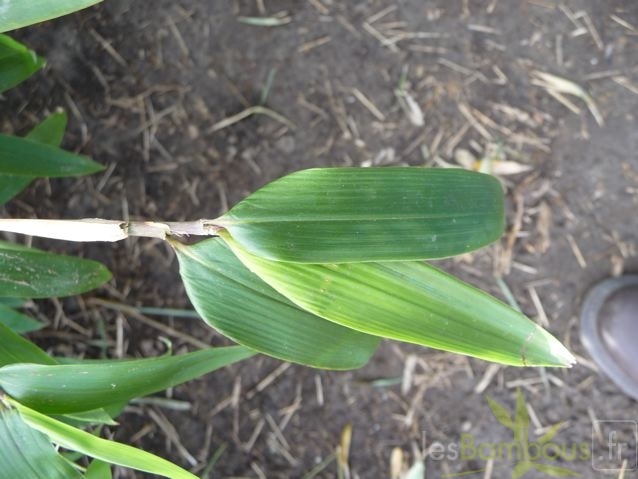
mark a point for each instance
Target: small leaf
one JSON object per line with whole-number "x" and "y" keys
{"x": 413, "y": 302}
{"x": 500, "y": 413}
{"x": 28, "y": 454}
{"x": 81, "y": 419}
{"x": 17, "y": 62}
{"x": 98, "y": 470}
{"x": 555, "y": 471}
{"x": 108, "y": 451}
{"x": 18, "y": 322}
{"x": 32, "y": 273}
{"x": 16, "y": 349}
{"x": 20, "y": 13}
{"x": 339, "y": 215}
{"x": 49, "y": 132}
{"x": 65, "y": 389}
{"x": 242, "y": 307}
{"x": 25, "y": 157}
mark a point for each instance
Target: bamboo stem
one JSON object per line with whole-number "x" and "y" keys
{"x": 95, "y": 229}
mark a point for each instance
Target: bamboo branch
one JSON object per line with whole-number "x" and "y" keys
{"x": 95, "y": 229}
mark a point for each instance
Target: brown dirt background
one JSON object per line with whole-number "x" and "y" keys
{"x": 144, "y": 107}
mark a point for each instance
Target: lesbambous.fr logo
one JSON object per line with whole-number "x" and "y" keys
{"x": 522, "y": 454}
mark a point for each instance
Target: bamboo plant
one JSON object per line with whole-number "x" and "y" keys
{"x": 314, "y": 268}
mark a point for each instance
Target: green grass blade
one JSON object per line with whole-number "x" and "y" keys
{"x": 98, "y": 448}
{"x": 49, "y": 132}
{"x": 18, "y": 322}
{"x": 32, "y": 273}
{"x": 25, "y": 157}
{"x": 340, "y": 215}
{"x": 16, "y": 349}
{"x": 65, "y": 389}
{"x": 28, "y": 454}
{"x": 20, "y": 13}
{"x": 413, "y": 302}
{"x": 241, "y": 306}
{"x": 17, "y": 62}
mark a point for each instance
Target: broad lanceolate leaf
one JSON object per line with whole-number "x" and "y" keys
{"x": 15, "y": 349}
{"x": 108, "y": 451}
{"x": 49, "y": 132}
{"x": 17, "y": 62}
{"x": 28, "y": 454}
{"x": 18, "y": 322}
{"x": 413, "y": 302}
{"x": 32, "y": 273}
{"x": 63, "y": 389}
{"x": 20, "y": 13}
{"x": 26, "y": 157}
{"x": 241, "y": 306}
{"x": 340, "y": 215}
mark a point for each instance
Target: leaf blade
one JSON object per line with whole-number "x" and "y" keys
{"x": 67, "y": 389}
{"x": 26, "y": 157}
{"x": 27, "y": 453}
{"x": 17, "y": 63}
{"x": 16, "y": 349}
{"x": 18, "y": 13}
{"x": 108, "y": 451}
{"x": 337, "y": 215}
{"x": 412, "y": 302}
{"x": 18, "y": 322}
{"x": 242, "y": 307}
{"x": 32, "y": 273}
{"x": 50, "y": 132}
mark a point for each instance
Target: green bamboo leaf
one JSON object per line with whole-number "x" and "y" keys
{"x": 17, "y": 62}
{"x": 83, "y": 418}
{"x": 20, "y": 13}
{"x": 340, "y": 215}
{"x": 18, "y": 322}
{"x": 26, "y": 157}
{"x": 98, "y": 470}
{"x": 65, "y": 389}
{"x": 98, "y": 448}
{"x": 413, "y": 302}
{"x": 32, "y": 273}
{"x": 49, "y": 132}
{"x": 241, "y": 306}
{"x": 16, "y": 349}
{"x": 28, "y": 454}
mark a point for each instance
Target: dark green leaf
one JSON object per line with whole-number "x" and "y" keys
{"x": 65, "y": 389}
{"x": 241, "y": 306}
{"x": 32, "y": 273}
{"x": 18, "y": 322}
{"x": 413, "y": 302}
{"x": 108, "y": 451}
{"x": 28, "y": 454}
{"x": 26, "y": 157}
{"x": 15, "y": 349}
{"x": 20, "y": 13}
{"x": 49, "y": 132}
{"x": 340, "y": 215}
{"x": 17, "y": 62}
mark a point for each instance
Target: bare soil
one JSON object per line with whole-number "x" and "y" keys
{"x": 147, "y": 84}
